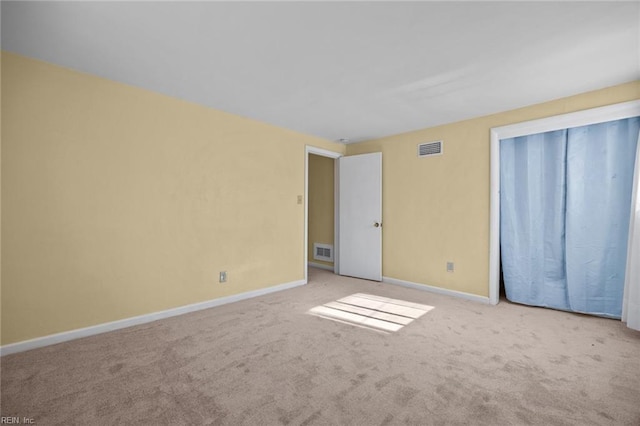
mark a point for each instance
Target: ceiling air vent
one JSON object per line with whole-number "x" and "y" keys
{"x": 429, "y": 149}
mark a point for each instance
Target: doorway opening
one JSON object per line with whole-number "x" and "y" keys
{"x": 321, "y": 214}
{"x": 321, "y": 210}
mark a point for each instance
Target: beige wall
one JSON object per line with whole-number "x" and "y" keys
{"x": 436, "y": 209}
{"x": 321, "y": 203}
{"x": 119, "y": 202}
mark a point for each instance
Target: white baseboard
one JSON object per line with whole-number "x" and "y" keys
{"x": 439, "y": 290}
{"x": 53, "y": 339}
{"x": 320, "y": 266}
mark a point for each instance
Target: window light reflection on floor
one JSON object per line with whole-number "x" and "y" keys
{"x": 370, "y": 311}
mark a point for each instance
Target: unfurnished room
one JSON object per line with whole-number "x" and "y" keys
{"x": 320, "y": 213}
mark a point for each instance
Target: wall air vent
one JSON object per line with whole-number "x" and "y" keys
{"x": 323, "y": 252}
{"x": 430, "y": 149}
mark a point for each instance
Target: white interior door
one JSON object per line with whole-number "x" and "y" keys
{"x": 360, "y": 216}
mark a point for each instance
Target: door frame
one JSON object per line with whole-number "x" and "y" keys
{"x": 336, "y": 246}
{"x": 564, "y": 121}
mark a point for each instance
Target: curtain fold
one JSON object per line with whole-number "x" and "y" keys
{"x": 600, "y": 169}
{"x": 565, "y": 198}
{"x": 532, "y": 226}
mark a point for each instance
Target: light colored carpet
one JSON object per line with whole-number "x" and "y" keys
{"x": 266, "y": 361}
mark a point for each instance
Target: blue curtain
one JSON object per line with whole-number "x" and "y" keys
{"x": 565, "y": 202}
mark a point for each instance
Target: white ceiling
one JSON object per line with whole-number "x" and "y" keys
{"x": 356, "y": 70}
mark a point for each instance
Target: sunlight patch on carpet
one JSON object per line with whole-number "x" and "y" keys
{"x": 370, "y": 311}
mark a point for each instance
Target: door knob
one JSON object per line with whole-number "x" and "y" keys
{"x": 377, "y": 224}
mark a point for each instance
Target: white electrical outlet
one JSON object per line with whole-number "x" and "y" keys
{"x": 449, "y": 266}
{"x": 223, "y": 276}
